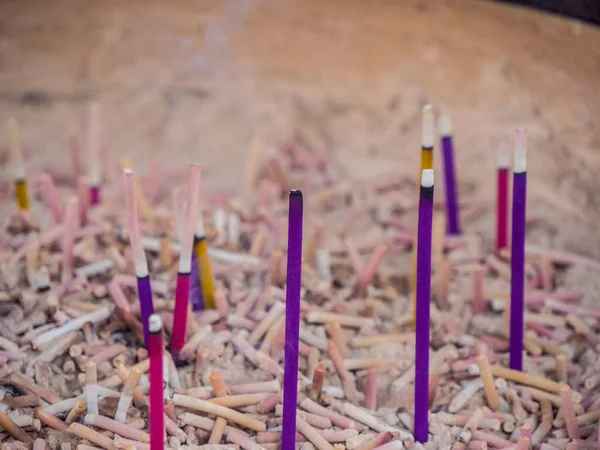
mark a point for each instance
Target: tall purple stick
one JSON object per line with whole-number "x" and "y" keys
{"x": 196, "y": 298}
{"x": 421, "y": 426}
{"x": 517, "y": 259}
{"x": 452, "y": 209}
{"x": 292, "y": 321}
{"x": 146, "y": 305}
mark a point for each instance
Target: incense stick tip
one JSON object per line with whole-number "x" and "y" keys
{"x": 154, "y": 324}
{"x": 520, "y": 158}
{"x": 428, "y": 130}
{"x": 295, "y": 193}
{"x": 427, "y": 178}
{"x": 445, "y": 126}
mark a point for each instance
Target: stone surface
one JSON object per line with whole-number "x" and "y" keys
{"x": 195, "y": 80}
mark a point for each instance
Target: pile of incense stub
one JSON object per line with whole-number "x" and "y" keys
{"x": 134, "y": 316}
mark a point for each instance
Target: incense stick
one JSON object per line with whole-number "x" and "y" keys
{"x": 71, "y": 221}
{"x": 51, "y": 198}
{"x": 517, "y": 262}
{"x": 196, "y": 298}
{"x": 182, "y": 290}
{"x": 427, "y": 138}
{"x": 203, "y": 260}
{"x": 139, "y": 255}
{"x": 503, "y": 169}
{"x": 157, "y": 407}
{"x": 423, "y": 306}
{"x": 427, "y": 143}
{"x": 94, "y": 165}
{"x": 18, "y": 164}
{"x": 292, "y": 319}
{"x": 452, "y": 208}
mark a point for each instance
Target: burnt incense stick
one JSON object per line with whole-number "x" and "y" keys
{"x": 18, "y": 164}
{"x": 157, "y": 401}
{"x": 139, "y": 255}
{"x": 182, "y": 289}
{"x": 94, "y": 165}
{"x": 423, "y": 296}
{"x": 517, "y": 260}
{"x": 503, "y": 169}
{"x": 452, "y": 208}
{"x": 292, "y": 320}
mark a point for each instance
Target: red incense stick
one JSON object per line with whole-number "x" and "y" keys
{"x": 502, "y": 200}
{"x": 182, "y": 290}
{"x": 157, "y": 400}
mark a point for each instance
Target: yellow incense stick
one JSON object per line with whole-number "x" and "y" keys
{"x": 206, "y": 278}
{"x": 427, "y": 139}
{"x": 21, "y": 194}
{"x": 18, "y": 163}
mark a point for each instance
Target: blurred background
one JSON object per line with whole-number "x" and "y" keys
{"x": 183, "y": 81}
{"x": 588, "y": 10}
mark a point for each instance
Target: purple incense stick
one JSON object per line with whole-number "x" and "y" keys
{"x": 196, "y": 298}
{"x": 146, "y": 305}
{"x": 139, "y": 255}
{"x": 421, "y": 426}
{"x": 292, "y": 321}
{"x": 452, "y": 209}
{"x": 517, "y": 259}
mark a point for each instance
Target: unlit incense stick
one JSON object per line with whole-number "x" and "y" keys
{"x": 139, "y": 255}
{"x": 503, "y": 169}
{"x": 292, "y": 320}
{"x": 427, "y": 143}
{"x": 155, "y": 354}
{"x": 18, "y": 164}
{"x": 207, "y": 282}
{"x": 182, "y": 290}
{"x": 423, "y": 307}
{"x": 517, "y": 261}
{"x": 452, "y": 205}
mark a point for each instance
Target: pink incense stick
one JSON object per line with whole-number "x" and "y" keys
{"x": 157, "y": 399}
{"x": 371, "y": 388}
{"x": 94, "y": 162}
{"x": 84, "y": 199}
{"x": 137, "y": 249}
{"x": 421, "y": 426}
{"x": 370, "y": 269}
{"x": 50, "y": 195}
{"x": 71, "y": 222}
{"x": 182, "y": 290}
{"x": 74, "y": 152}
{"x": 502, "y": 201}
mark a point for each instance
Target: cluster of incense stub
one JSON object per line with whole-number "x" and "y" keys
{"x": 130, "y": 318}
